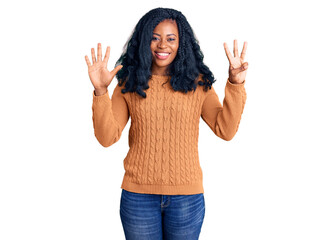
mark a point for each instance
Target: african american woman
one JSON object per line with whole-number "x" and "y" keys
{"x": 165, "y": 87}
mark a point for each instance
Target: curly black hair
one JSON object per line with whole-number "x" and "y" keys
{"x": 137, "y": 57}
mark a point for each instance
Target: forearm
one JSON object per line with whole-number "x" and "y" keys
{"x": 106, "y": 128}
{"x": 228, "y": 118}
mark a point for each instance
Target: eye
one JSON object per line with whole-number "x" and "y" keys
{"x": 171, "y": 39}
{"x": 154, "y": 38}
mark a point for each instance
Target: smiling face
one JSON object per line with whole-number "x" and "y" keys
{"x": 164, "y": 46}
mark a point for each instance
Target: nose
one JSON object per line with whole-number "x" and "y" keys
{"x": 161, "y": 44}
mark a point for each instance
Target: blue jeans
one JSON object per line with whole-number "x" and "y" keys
{"x": 157, "y": 217}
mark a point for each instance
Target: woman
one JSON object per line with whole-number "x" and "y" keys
{"x": 167, "y": 89}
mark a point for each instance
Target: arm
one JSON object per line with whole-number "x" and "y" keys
{"x": 224, "y": 121}
{"x": 109, "y": 116}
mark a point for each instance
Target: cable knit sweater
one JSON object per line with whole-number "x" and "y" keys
{"x": 163, "y": 137}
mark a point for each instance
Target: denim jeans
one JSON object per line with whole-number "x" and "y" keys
{"x": 161, "y": 217}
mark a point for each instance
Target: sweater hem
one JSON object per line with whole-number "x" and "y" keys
{"x": 195, "y": 188}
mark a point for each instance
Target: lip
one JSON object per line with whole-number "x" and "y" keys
{"x": 162, "y": 57}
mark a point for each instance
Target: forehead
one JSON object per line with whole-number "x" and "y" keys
{"x": 167, "y": 26}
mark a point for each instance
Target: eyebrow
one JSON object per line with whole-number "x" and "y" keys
{"x": 167, "y": 34}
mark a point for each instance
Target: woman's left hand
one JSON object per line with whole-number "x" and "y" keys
{"x": 237, "y": 68}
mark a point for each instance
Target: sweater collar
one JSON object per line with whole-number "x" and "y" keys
{"x": 160, "y": 76}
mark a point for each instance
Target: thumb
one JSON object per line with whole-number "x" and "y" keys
{"x": 115, "y": 70}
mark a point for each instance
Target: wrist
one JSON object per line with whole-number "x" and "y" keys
{"x": 100, "y": 91}
{"x": 232, "y": 82}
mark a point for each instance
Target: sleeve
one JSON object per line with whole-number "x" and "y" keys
{"x": 109, "y": 116}
{"x": 224, "y": 121}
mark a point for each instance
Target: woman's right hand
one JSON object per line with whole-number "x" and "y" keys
{"x": 99, "y": 75}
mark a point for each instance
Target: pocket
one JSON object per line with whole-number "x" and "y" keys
{"x": 133, "y": 196}
{"x": 128, "y": 193}
{"x": 125, "y": 192}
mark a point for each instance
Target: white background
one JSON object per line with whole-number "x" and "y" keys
{"x": 272, "y": 181}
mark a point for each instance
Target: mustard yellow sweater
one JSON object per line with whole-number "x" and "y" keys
{"x": 163, "y": 137}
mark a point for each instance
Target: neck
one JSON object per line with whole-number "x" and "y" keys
{"x": 162, "y": 71}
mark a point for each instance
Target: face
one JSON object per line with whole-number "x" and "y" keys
{"x": 164, "y": 46}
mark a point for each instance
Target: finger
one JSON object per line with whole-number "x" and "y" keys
{"x": 242, "y": 68}
{"x": 87, "y": 61}
{"x": 115, "y": 70}
{"x": 93, "y": 56}
{"x": 99, "y": 52}
{"x": 235, "y": 71}
{"x": 227, "y": 52}
{"x": 244, "y": 51}
{"x": 107, "y": 55}
{"x": 235, "y": 48}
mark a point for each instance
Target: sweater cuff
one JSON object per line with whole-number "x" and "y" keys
{"x": 104, "y": 97}
{"x": 235, "y": 86}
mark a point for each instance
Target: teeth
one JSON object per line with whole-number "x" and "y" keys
{"x": 163, "y": 54}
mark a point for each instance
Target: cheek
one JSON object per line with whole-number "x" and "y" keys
{"x": 152, "y": 46}
{"x": 175, "y": 48}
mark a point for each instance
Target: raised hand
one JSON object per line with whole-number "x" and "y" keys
{"x": 99, "y": 75}
{"x": 237, "y": 68}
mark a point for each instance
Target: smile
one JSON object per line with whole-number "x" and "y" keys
{"x": 162, "y": 56}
